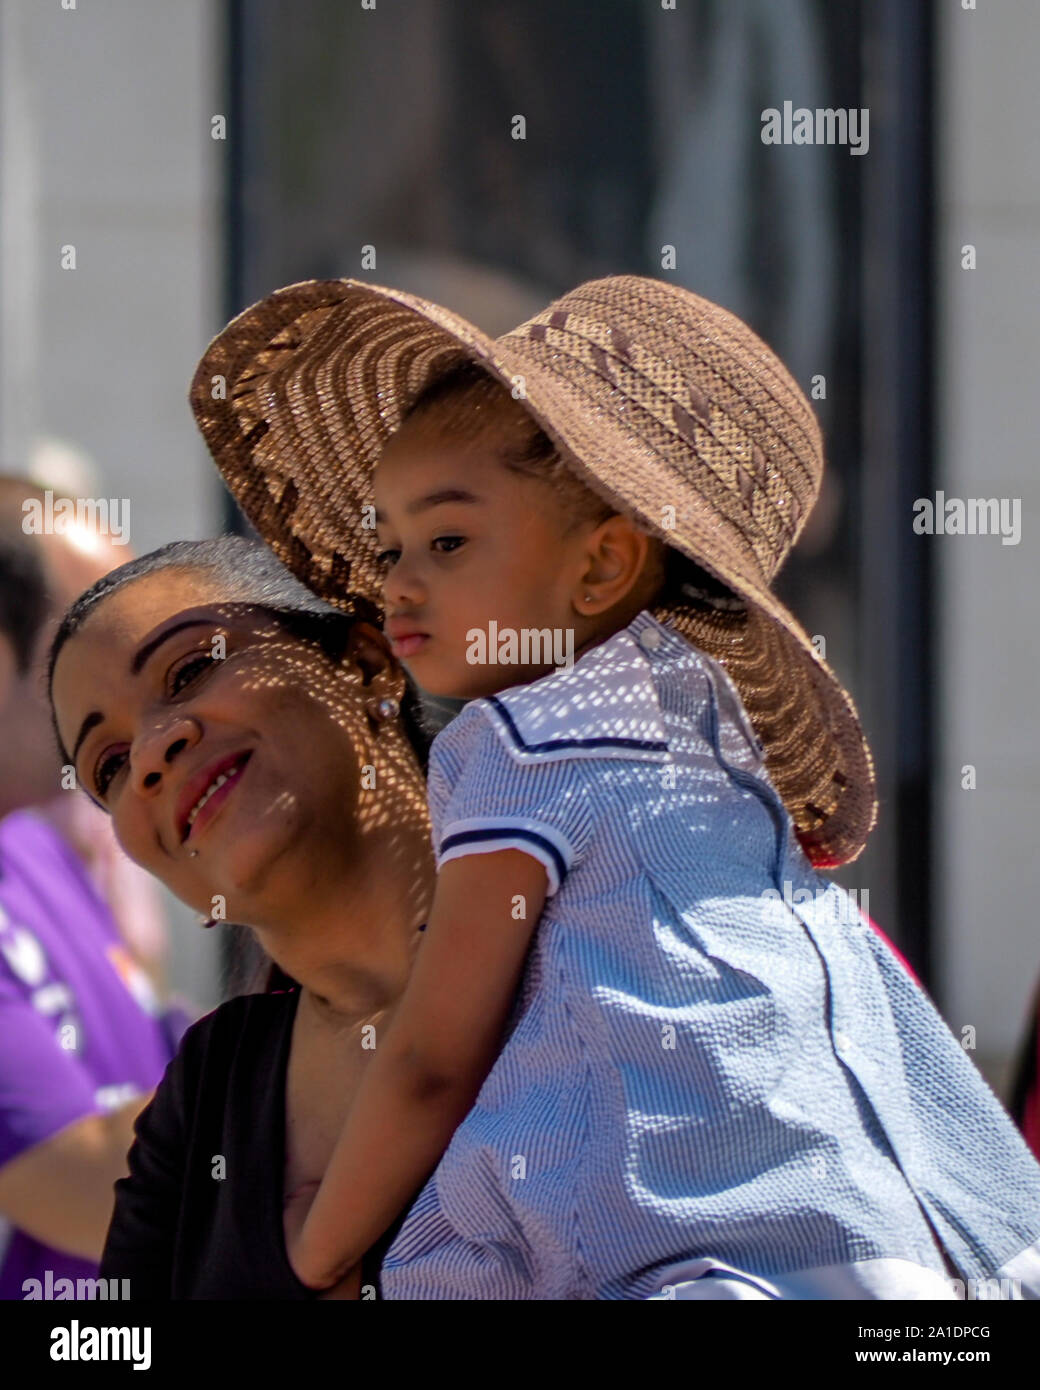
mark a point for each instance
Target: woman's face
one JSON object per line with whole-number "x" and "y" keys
{"x": 164, "y": 690}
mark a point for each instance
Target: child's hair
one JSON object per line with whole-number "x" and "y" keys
{"x": 467, "y": 388}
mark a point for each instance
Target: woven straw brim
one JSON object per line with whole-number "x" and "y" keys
{"x": 296, "y": 399}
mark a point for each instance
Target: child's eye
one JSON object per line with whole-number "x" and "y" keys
{"x": 448, "y": 545}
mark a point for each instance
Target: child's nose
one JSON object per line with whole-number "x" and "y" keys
{"x": 403, "y": 584}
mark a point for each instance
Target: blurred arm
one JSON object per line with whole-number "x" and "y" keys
{"x": 60, "y": 1191}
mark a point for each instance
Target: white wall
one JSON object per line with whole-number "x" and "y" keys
{"x": 105, "y": 145}
{"x": 988, "y": 887}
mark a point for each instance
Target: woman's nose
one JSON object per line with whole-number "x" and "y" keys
{"x": 154, "y": 752}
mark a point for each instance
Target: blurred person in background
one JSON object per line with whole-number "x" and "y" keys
{"x": 84, "y": 1036}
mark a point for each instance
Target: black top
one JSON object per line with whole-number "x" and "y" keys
{"x": 178, "y": 1231}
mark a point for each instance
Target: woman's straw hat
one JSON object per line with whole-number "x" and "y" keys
{"x": 666, "y": 405}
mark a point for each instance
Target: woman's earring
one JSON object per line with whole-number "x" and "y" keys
{"x": 588, "y": 598}
{"x": 193, "y": 854}
{"x": 387, "y": 708}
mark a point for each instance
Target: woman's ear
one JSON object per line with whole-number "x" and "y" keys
{"x": 369, "y": 650}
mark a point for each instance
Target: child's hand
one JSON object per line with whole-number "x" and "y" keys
{"x": 297, "y": 1205}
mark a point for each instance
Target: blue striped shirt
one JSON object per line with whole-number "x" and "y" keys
{"x": 717, "y": 1080}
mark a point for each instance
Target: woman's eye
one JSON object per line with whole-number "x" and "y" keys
{"x": 191, "y": 668}
{"x": 383, "y": 558}
{"x": 105, "y": 771}
{"x": 181, "y": 676}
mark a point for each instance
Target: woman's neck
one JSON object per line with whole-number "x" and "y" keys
{"x": 349, "y": 934}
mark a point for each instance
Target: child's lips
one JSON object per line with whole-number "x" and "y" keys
{"x": 408, "y": 646}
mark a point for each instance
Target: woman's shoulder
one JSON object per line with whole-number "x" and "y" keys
{"x": 250, "y": 1025}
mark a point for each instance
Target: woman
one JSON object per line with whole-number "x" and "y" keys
{"x": 244, "y": 737}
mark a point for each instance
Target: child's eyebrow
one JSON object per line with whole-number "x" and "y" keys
{"x": 434, "y": 499}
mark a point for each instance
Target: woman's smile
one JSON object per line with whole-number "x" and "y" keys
{"x": 220, "y": 781}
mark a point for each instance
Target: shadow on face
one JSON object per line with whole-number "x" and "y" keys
{"x": 240, "y": 763}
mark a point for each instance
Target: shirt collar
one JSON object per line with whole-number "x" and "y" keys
{"x": 605, "y": 702}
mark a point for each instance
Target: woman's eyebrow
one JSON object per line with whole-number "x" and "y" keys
{"x": 140, "y": 657}
{"x": 145, "y": 651}
{"x": 434, "y": 499}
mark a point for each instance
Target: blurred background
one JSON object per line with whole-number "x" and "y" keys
{"x": 197, "y": 155}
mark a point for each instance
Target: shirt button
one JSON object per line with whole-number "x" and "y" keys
{"x": 650, "y": 639}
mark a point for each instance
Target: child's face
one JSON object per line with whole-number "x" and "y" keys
{"x": 493, "y": 552}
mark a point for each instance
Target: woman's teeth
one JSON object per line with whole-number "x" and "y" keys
{"x": 217, "y": 782}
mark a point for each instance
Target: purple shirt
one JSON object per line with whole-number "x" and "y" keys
{"x": 80, "y": 1028}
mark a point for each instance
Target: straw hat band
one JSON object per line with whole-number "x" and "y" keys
{"x": 733, "y": 469}
{"x": 683, "y": 330}
{"x": 703, "y": 361}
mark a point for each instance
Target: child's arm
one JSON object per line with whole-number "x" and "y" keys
{"x": 430, "y": 1065}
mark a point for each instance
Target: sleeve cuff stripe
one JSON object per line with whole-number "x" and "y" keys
{"x": 513, "y": 837}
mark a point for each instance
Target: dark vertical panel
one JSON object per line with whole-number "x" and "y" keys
{"x": 897, "y": 581}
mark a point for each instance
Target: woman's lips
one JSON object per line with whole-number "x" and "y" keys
{"x": 213, "y": 805}
{"x": 407, "y": 646}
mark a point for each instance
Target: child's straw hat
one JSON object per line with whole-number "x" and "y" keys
{"x": 664, "y": 403}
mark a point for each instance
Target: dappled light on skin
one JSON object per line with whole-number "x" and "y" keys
{"x": 330, "y": 787}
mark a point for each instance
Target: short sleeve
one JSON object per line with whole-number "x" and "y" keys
{"x": 486, "y": 797}
{"x": 43, "y": 1089}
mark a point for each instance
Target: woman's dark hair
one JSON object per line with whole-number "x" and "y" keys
{"x": 246, "y": 571}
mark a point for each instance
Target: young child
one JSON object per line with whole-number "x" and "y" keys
{"x": 715, "y": 1078}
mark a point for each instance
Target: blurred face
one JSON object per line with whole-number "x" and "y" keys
{"x": 227, "y": 752}
{"x": 73, "y": 560}
{"x": 466, "y": 542}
